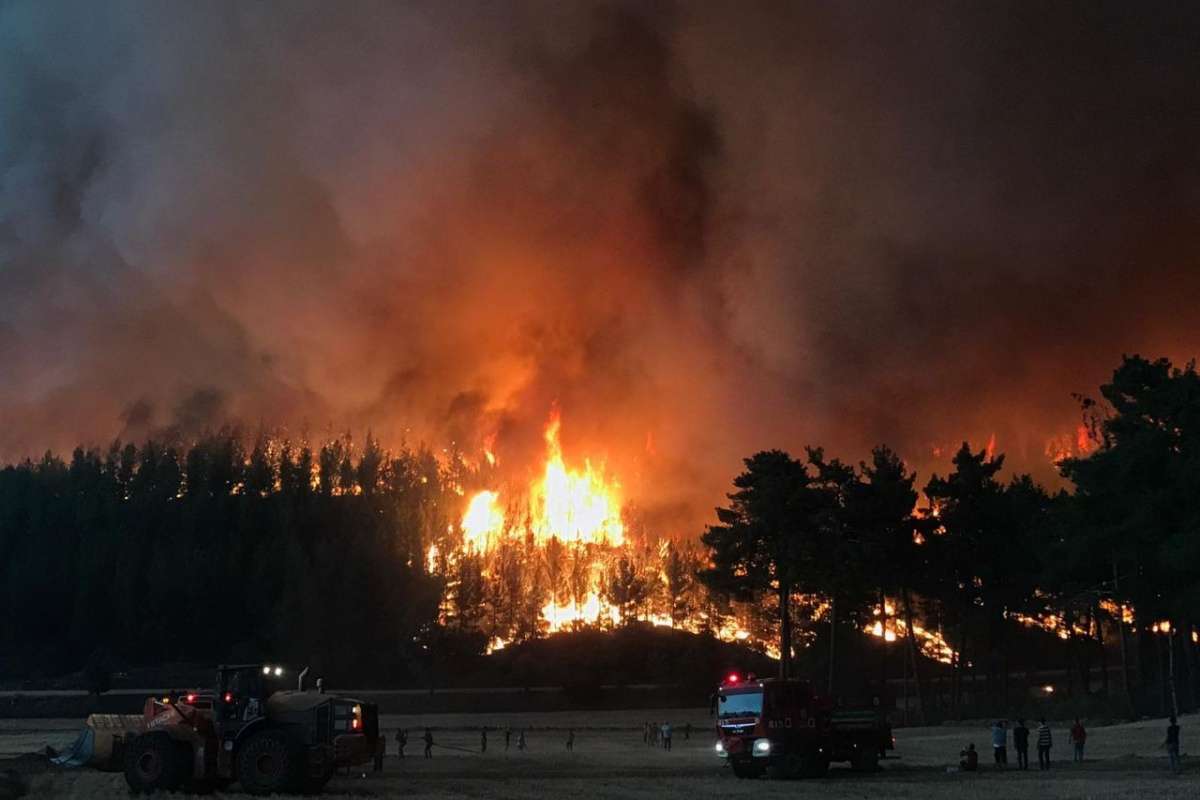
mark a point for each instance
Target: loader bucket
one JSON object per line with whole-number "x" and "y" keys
{"x": 99, "y": 743}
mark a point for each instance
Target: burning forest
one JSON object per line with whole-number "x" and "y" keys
{"x": 589, "y": 282}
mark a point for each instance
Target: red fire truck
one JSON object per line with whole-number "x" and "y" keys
{"x": 787, "y": 729}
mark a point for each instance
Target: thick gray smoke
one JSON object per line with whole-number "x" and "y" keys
{"x": 697, "y": 229}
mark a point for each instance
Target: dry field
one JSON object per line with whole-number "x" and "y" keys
{"x": 610, "y": 761}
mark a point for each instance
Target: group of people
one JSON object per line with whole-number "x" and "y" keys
{"x": 656, "y": 734}
{"x": 402, "y": 742}
{"x": 401, "y": 737}
{"x": 969, "y": 757}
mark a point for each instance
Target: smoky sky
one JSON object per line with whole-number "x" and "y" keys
{"x": 696, "y": 229}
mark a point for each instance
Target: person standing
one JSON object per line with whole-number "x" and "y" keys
{"x": 645, "y": 733}
{"x": 666, "y": 736}
{"x": 1172, "y": 744}
{"x": 483, "y": 739}
{"x": 571, "y": 740}
{"x": 429, "y": 743}
{"x": 507, "y": 737}
{"x": 1078, "y": 737}
{"x": 401, "y": 741}
{"x": 687, "y": 731}
{"x": 1021, "y": 744}
{"x": 1000, "y": 743}
{"x": 521, "y": 740}
{"x": 1044, "y": 743}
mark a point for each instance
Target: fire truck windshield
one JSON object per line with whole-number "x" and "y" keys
{"x": 742, "y": 704}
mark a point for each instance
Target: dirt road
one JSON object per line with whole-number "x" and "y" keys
{"x": 610, "y": 761}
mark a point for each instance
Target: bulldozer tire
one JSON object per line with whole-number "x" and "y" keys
{"x": 268, "y": 764}
{"x": 314, "y": 785}
{"x": 153, "y": 763}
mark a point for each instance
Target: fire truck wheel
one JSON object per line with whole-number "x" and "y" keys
{"x": 786, "y": 767}
{"x": 746, "y": 769}
{"x": 152, "y": 763}
{"x": 866, "y": 760}
{"x": 814, "y": 765}
{"x": 268, "y": 763}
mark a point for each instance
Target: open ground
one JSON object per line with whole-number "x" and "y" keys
{"x": 610, "y": 761}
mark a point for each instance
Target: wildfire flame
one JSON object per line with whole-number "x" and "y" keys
{"x": 483, "y": 522}
{"x": 574, "y": 506}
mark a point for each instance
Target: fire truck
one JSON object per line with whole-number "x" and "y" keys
{"x": 787, "y": 729}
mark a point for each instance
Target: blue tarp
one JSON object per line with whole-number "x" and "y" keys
{"x": 80, "y": 753}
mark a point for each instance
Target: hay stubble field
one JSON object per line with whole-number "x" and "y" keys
{"x": 610, "y": 761}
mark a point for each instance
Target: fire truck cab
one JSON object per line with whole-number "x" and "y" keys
{"x": 786, "y": 729}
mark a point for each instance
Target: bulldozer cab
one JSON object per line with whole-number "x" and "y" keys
{"x": 242, "y": 693}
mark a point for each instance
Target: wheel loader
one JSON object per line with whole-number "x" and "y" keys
{"x": 248, "y": 729}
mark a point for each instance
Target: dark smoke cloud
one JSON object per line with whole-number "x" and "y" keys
{"x": 697, "y": 229}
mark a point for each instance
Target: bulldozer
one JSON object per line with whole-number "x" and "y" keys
{"x": 248, "y": 729}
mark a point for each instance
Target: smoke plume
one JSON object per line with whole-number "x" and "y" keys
{"x": 697, "y": 229}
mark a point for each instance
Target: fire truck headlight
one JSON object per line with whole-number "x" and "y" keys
{"x": 720, "y": 748}
{"x": 762, "y": 747}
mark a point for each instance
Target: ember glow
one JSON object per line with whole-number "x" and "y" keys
{"x": 891, "y": 629}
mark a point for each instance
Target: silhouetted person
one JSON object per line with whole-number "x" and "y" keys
{"x": 483, "y": 740}
{"x": 645, "y": 733}
{"x": 571, "y": 740}
{"x": 1078, "y": 738}
{"x": 1021, "y": 744}
{"x": 401, "y": 741}
{"x": 521, "y": 740}
{"x": 687, "y": 731}
{"x": 1000, "y": 743}
{"x": 968, "y": 760}
{"x": 1172, "y": 744}
{"x": 666, "y": 736}
{"x": 1044, "y": 743}
{"x": 428, "y": 743}
{"x": 507, "y": 737}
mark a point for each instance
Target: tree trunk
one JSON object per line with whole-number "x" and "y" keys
{"x": 958, "y": 670}
{"x": 1171, "y": 668}
{"x": 913, "y": 651}
{"x": 1069, "y": 672}
{"x": 1085, "y": 655}
{"x": 1099, "y": 617}
{"x": 1193, "y": 662}
{"x": 1126, "y": 685}
{"x": 832, "y": 640}
{"x": 785, "y": 630}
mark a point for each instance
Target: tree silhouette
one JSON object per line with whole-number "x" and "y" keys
{"x": 768, "y": 537}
